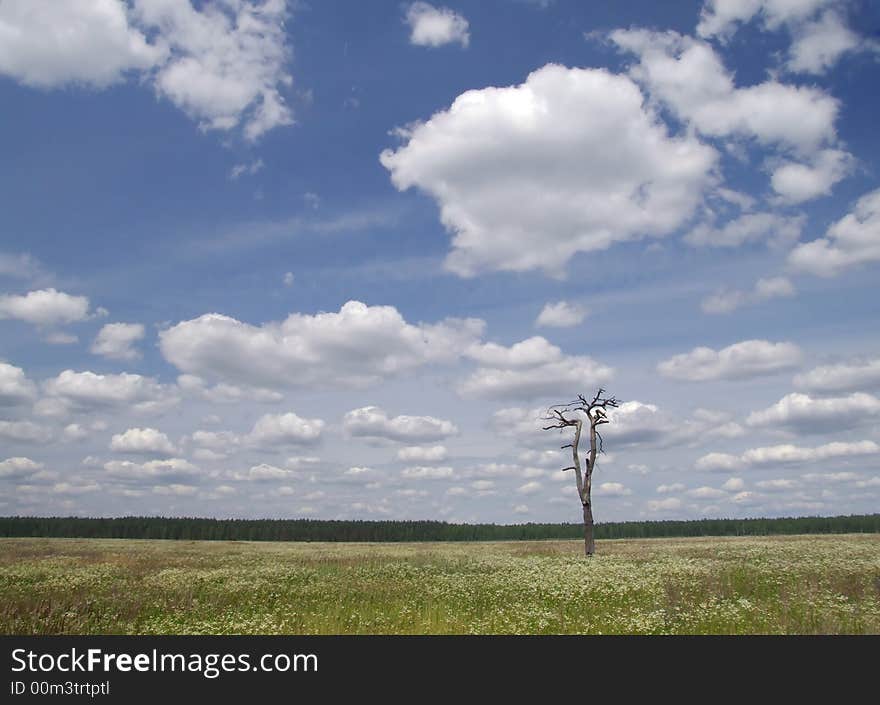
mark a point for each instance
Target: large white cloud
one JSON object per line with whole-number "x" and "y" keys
{"x": 530, "y": 369}
{"x": 46, "y": 307}
{"x": 744, "y": 360}
{"x": 842, "y": 377}
{"x": 116, "y": 341}
{"x": 88, "y": 390}
{"x": 15, "y": 387}
{"x": 688, "y": 76}
{"x": 18, "y": 467}
{"x": 223, "y": 63}
{"x": 147, "y": 441}
{"x": 361, "y": 344}
{"x": 817, "y": 415}
{"x": 46, "y": 43}
{"x": 373, "y": 422}
{"x": 569, "y": 161}
{"x": 851, "y": 241}
{"x": 435, "y": 26}
{"x": 786, "y": 454}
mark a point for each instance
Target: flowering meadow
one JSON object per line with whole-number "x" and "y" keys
{"x": 744, "y": 585}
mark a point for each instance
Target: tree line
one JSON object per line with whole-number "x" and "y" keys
{"x": 201, "y": 529}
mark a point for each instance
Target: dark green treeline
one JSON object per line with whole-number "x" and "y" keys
{"x": 193, "y": 529}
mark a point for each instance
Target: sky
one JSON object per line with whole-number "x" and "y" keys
{"x": 336, "y": 259}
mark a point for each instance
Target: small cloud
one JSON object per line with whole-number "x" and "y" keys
{"x": 434, "y": 27}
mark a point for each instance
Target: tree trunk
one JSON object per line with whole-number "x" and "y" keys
{"x": 589, "y": 544}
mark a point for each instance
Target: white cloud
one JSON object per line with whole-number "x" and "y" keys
{"x": 226, "y": 64}
{"x": 612, "y": 489}
{"x": 15, "y": 387}
{"x": 435, "y": 26}
{"x": 373, "y": 422}
{"x": 817, "y": 415}
{"x": 688, "y": 76}
{"x": 88, "y": 390}
{"x": 521, "y": 509}
{"x": 819, "y": 44}
{"x": 733, "y": 484}
{"x": 819, "y": 33}
{"x": 796, "y": 182}
{"x": 145, "y": 441}
{"x": 786, "y": 454}
{"x": 569, "y": 161}
{"x": 424, "y": 472}
{"x": 562, "y": 314}
{"x": 168, "y": 470}
{"x": 245, "y": 168}
{"x": 361, "y": 344}
{"x": 223, "y": 393}
{"x": 532, "y": 487}
{"x": 778, "y": 485}
{"x": 223, "y": 64}
{"x": 288, "y": 279}
{"x": 116, "y": 340}
{"x": 18, "y": 467}
{"x": 422, "y": 454}
{"x": 706, "y": 493}
{"x": 670, "y": 489}
{"x": 669, "y": 504}
{"x": 274, "y": 429}
{"x": 749, "y": 227}
{"x": 843, "y": 377}
{"x": 46, "y": 307}
{"x": 851, "y": 241}
{"x": 727, "y": 300}
{"x": 24, "y": 432}
{"x": 45, "y": 43}
{"x": 744, "y": 360}
{"x": 266, "y": 473}
{"x": 529, "y": 369}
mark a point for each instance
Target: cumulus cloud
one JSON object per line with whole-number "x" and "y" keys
{"x": 281, "y": 429}
{"x": 116, "y": 341}
{"x": 689, "y": 77}
{"x": 146, "y": 441}
{"x": 15, "y": 387}
{"x": 435, "y": 26}
{"x": 806, "y": 414}
{"x": 851, "y": 241}
{"x": 45, "y": 307}
{"x": 24, "y": 432}
{"x": 18, "y": 467}
{"x": 842, "y": 377}
{"x": 223, "y": 64}
{"x": 796, "y": 182}
{"x": 361, "y": 344}
{"x": 423, "y": 454}
{"x": 529, "y": 369}
{"x": 569, "y": 161}
{"x": 612, "y": 489}
{"x": 669, "y": 504}
{"x": 817, "y": 28}
{"x": 223, "y": 393}
{"x": 167, "y": 470}
{"x": 48, "y": 44}
{"x": 786, "y": 454}
{"x": 744, "y": 360}
{"x": 562, "y": 314}
{"x": 727, "y": 300}
{"x": 748, "y": 227}
{"x": 373, "y": 422}
{"x": 88, "y": 390}
{"x": 426, "y": 472}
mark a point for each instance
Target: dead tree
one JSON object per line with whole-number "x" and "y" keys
{"x": 574, "y": 415}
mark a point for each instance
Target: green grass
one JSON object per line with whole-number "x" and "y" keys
{"x": 788, "y": 585}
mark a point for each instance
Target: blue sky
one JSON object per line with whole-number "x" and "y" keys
{"x": 269, "y": 259}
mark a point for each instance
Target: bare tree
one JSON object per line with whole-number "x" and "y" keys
{"x": 574, "y": 414}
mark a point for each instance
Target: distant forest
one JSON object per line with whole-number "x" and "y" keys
{"x": 197, "y": 529}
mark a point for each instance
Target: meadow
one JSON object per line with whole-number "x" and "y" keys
{"x": 739, "y": 585}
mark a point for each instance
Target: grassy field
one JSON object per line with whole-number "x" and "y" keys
{"x": 789, "y": 585}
